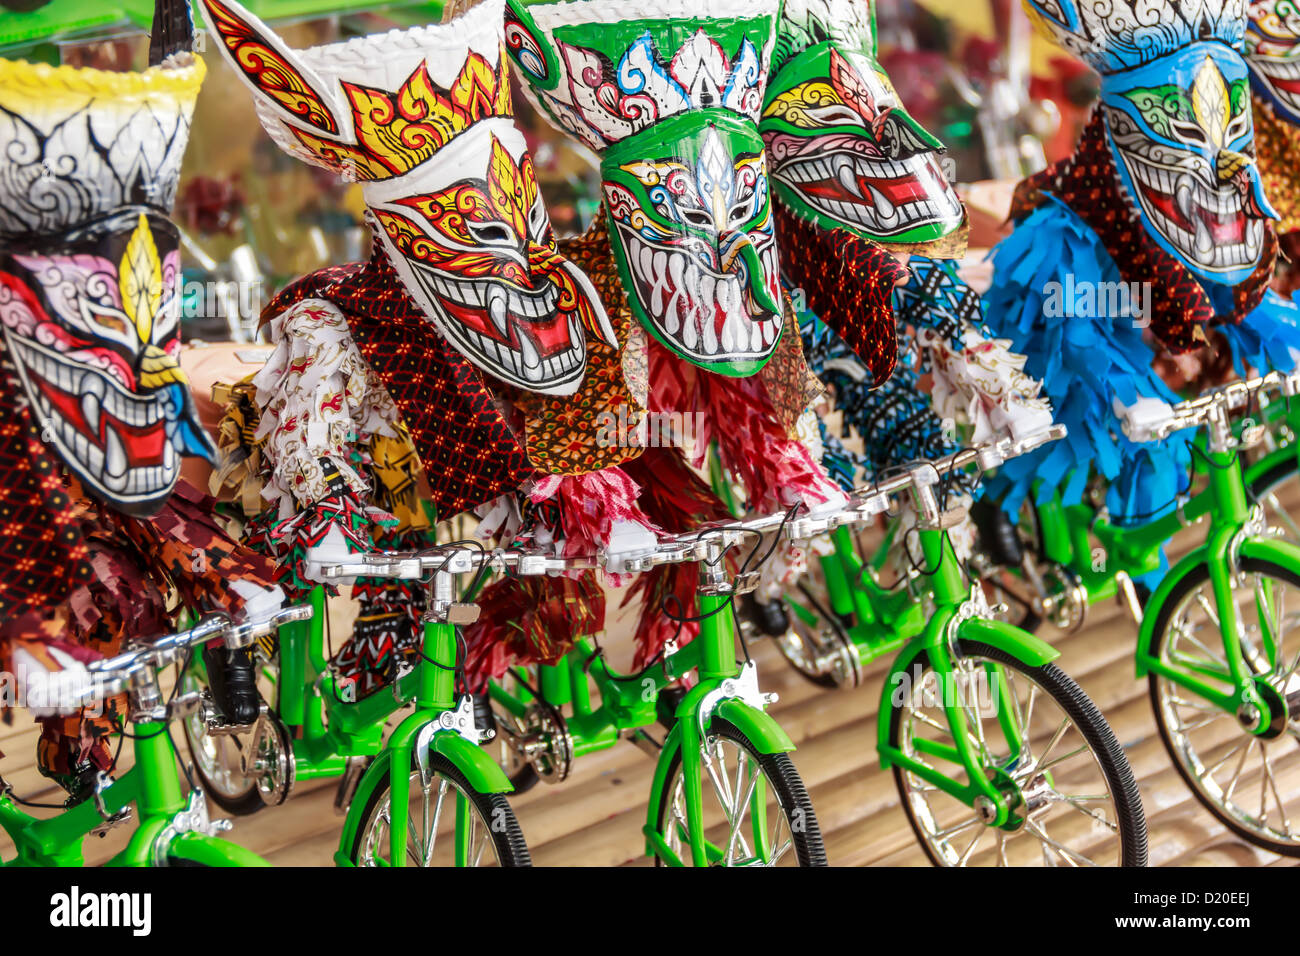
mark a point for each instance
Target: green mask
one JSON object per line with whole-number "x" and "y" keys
{"x": 670, "y": 97}
{"x": 844, "y": 152}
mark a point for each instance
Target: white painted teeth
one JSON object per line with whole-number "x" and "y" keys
{"x": 497, "y": 311}
{"x": 686, "y": 299}
{"x": 848, "y": 180}
{"x": 1193, "y": 198}
{"x": 884, "y": 207}
{"x": 875, "y": 213}
{"x": 90, "y": 411}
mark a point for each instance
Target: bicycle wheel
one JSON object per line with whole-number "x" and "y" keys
{"x": 816, "y": 644}
{"x": 1250, "y": 783}
{"x": 1075, "y": 800}
{"x": 1271, "y": 488}
{"x": 225, "y": 764}
{"x": 437, "y": 812}
{"x": 738, "y": 782}
{"x": 512, "y": 733}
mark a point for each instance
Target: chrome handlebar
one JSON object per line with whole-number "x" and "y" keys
{"x": 1210, "y": 409}
{"x": 705, "y": 543}
{"x": 136, "y": 668}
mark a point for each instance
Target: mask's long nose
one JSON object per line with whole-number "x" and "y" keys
{"x": 1229, "y": 162}
{"x": 737, "y": 252}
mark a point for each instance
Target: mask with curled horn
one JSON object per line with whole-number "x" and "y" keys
{"x": 844, "y": 152}
{"x": 423, "y": 120}
{"x": 669, "y": 92}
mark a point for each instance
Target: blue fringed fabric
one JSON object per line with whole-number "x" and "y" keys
{"x": 1084, "y": 363}
{"x": 1266, "y": 337}
{"x": 896, "y": 420}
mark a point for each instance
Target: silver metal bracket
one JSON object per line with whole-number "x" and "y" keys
{"x": 1254, "y": 527}
{"x": 743, "y": 687}
{"x": 458, "y": 721}
{"x": 193, "y": 819}
{"x": 102, "y": 782}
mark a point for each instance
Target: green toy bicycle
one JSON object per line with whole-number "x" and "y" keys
{"x": 1217, "y": 639}
{"x": 171, "y": 830}
{"x": 724, "y": 791}
{"x": 999, "y": 758}
{"x": 429, "y": 795}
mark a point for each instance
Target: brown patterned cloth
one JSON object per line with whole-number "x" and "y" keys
{"x": 1088, "y": 183}
{"x": 569, "y": 434}
{"x": 469, "y": 452}
{"x": 848, "y": 282}
{"x": 43, "y": 551}
{"x": 1277, "y": 145}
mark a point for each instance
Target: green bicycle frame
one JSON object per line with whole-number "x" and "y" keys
{"x": 1066, "y": 539}
{"x": 431, "y": 685}
{"x": 153, "y": 786}
{"x": 628, "y": 705}
{"x": 881, "y": 620}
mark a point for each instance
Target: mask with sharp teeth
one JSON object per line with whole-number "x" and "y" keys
{"x": 844, "y": 152}
{"x": 1176, "y": 109}
{"x": 669, "y": 93}
{"x": 90, "y": 270}
{"x": 423, "y": 119}
{"x": 1273, "y": 54}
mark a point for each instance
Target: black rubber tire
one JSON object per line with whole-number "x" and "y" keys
{"x": 511, "y": 848}
{"x": 1279, "y": 473}
{"x": 781, "y": 776}
{"x": 241, "y": 806}
{"x": 1193, "y": 579}
{"x": 1070, "y": 697}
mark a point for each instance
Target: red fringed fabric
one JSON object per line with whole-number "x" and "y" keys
{"x": 848, "y": 282}
{"x": 469, "y": 453}
{"x": 677, "y": 500}
{"x": 589, "y": 506}
{"x": 775, "y": 469}
{"x": 1089, "y": 184}
{"x": 530, "y": 620}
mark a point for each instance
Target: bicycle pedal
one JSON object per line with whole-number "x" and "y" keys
{"x": 347, "y": 789}
{"x": 644, "y": 742}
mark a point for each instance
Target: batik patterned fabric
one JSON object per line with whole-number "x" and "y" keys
{"x": 597, "y": 426}
{"x": 423, "y": 119}
{"x": 470, "y": 453}
{"x": 669, "y": 94}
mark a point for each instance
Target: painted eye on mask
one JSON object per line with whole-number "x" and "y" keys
{"x": 491, "y": 234}
{"x": 539, "y": 224}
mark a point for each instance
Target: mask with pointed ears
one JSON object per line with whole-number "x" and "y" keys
{"x": 423, "y": 119}
{"x": 844, "y": 152}
{"x": 90, "y": 269}
{"x": 1176, "y": 106}
{"x": 669, "y": 93}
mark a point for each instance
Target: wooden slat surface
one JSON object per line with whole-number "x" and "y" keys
{"x": 595, "y": 817}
